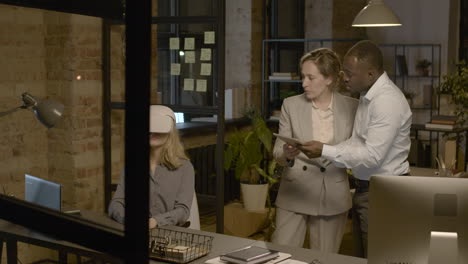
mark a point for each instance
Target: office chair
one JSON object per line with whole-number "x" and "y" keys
{"x": 194, "y": 217}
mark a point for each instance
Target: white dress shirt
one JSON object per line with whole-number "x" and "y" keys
{"x": 323, "y": 130}
{"x": 380, "y": 141}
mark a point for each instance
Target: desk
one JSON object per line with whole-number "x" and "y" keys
{"x": 12, "y": 233}
{"x": 224, "y": 243}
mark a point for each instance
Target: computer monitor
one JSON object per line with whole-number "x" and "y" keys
{"x": 42, "y": 192}
{"x": 418, "y": 220}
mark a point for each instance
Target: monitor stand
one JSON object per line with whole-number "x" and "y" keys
{"x": 443, "y": 248}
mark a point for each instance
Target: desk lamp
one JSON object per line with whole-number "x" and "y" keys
{"x": 48, "y": 112}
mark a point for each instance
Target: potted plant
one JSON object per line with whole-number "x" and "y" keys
{"x": 456, "y": 85}
{"x": 249, "y": 154}
{"x": 422, "y": 67}
{"x": 409, "y": 97}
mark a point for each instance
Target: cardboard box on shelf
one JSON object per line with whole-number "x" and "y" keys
{"x": 450, "y": 155}
{"x": 243, "y": 223}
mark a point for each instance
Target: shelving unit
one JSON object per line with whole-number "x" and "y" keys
{"x": 400, "y": 62}
{"x": 424, "y": 102}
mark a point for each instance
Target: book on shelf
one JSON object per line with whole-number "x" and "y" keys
{"x": 441, "y": 126}
{"x": 401, "y": 65}
{"x": 444, "y": 120}
{"x": 284, "y": 74}
{"x": 273, "y": 77}
{"x": 250, "y": 255}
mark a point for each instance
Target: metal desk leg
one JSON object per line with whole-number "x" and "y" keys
{"x": 466, "y": 150}
{"x": 63, "y": 257}
{"x": 12, "y": 251}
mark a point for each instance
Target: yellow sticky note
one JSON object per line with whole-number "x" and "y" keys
{"x": 205, "y": 54}
{"x": 201, "y": 85}
{"x": 209, "y": 37}
{"x": 188, "y": 84}
{"x": 205, "y": 69}
{"x": 175, "y": 68}
{"x": 189, "y": 57}
{"x": 174, "y": 43}
{"x": 189, "y": 43}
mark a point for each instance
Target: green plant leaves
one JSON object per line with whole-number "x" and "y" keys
{"x": 456, "y": 85}
{"x": 247, "y": 151}
{"x": 263, "y": 133}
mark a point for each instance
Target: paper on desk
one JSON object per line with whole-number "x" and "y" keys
{"x": 282, "y": 256}
{"x": 293, "y": 261}
{"x": 289, "y": 140}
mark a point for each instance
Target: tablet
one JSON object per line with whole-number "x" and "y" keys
{"x": 289, "y": 140}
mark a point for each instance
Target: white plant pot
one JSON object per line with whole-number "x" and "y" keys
{"x": 254, "y": 196}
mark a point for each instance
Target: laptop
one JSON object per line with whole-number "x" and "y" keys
{"x": 43, "y": 192}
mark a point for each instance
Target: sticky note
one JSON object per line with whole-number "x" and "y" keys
{"x": 189, "y": 57}
{"x": 205, "y": 69}
{"x": 205, "y": 54}
{"x": 209, "y": 37}
{"x": 174, "y": 43}
{"x": 201, "y": 85}
{"x": 188, "y": 84}
{"x": 189, "y": 43}
{"x": 175, "y": 68}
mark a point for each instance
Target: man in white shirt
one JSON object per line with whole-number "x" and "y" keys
{"x": 380, "y": 141}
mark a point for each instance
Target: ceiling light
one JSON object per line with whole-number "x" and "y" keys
{"x": 376, "y": 14}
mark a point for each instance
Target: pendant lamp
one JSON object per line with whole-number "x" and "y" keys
{"x": 376, "y": 14}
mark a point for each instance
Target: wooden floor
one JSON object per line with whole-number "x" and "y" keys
{"x": 208, "y": 223}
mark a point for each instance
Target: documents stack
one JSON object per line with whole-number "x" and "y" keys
{"x": 250, "y": 255}
{"x": 443, "y": 122}
{"x": 278, "y": 76}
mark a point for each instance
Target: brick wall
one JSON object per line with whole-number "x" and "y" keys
{"x": 23, "y": 141}
{"x": 73, "y": 65}
{"x": 43, "y": 53}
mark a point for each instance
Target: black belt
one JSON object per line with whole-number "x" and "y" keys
{"x": 362, "y": 186}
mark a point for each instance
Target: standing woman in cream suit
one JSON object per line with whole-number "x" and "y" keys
{"x": 314, "y": 193}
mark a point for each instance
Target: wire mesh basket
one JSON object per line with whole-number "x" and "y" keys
{"x": 177, "y": 246}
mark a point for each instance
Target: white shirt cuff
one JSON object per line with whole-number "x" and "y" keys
{"x": 329, "y": 152}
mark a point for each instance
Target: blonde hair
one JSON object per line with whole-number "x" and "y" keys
{"x": 328, "y": 63}
{"x": 172, "y": 150}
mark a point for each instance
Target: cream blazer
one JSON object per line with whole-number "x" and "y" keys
{"x": 301, "y": 185}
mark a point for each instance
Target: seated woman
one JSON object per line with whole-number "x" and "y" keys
{"x": 171, "y": 175}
